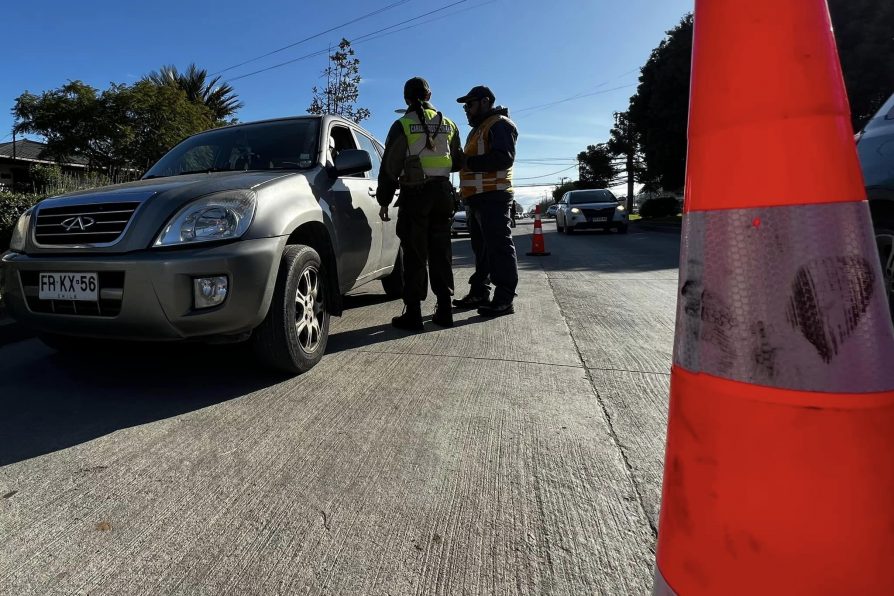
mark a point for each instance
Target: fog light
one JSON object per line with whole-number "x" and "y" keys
{"x": 209, "y": 291}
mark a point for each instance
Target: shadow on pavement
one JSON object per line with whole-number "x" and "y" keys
{"x": 367, "y": 336}
{"x": 54, "y": 401}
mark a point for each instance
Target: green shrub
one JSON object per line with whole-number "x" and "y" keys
{"x": 659, "y": 207}
{"x": 12, "y": 205}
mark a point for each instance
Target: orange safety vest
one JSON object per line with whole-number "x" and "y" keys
{"x": 473, "y": 183}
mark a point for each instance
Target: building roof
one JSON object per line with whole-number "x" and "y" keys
{"x": 28, "y": 150}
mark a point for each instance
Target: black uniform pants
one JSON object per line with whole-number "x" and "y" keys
{"x": 480, "y": 281}
{"x": 495, "y": 257}
{"x": 423, "y": 226}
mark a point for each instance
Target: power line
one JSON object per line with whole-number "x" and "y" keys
{"x": 567, "y": 99}
{"x": 314, "y": 36}
{"x": 363, "y": 38}
{"x": 546, "y": 175}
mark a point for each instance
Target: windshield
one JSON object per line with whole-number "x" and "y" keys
{"x": 591, "y": 196}
{"x": 280, "y": 145}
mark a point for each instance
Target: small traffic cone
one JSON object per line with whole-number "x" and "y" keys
{"x": 778, "y": 475}
{"x": 538, "y": 247}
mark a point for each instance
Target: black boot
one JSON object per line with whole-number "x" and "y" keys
{"x": 443, "y": 316}
{"x": 411, "y": 318}
{"x": 471, "y": 300}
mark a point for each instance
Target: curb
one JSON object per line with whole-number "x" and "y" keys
{"x": 671, "y": 228}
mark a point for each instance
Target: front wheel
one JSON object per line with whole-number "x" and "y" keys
{"x": 622, "y": 229}
{"x": 293, "y": 335}
{"x": 884, "y": 241}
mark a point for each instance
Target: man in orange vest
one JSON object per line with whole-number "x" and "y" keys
{"x": 486, "y": 186}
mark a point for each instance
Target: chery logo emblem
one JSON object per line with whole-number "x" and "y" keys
{"x": 78, "y": 223}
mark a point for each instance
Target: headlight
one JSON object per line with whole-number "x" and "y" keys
{"x": 221, "y": 216}
{"x": 620, "y": 207}
{"x": 575, "y": 210}
{"x": 20, "y": 232}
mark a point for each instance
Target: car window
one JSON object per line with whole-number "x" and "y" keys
{"x": 340, "y": 138}
{"x": 275, "y": 145}
{"x": 368, "y": 145}
{"x": 592, "y": 196}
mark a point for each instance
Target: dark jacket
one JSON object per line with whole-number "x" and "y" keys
{"x": 396, "y": 153}
{"x": 502, "y": 137}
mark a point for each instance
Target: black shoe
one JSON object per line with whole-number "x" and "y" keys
{"x": 496, "y": 309}
{"x": 471, "y": 301}
{"x": 443, "y": 316}
{"x": 411, "y": 319}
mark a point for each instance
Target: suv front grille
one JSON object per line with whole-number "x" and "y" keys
{"x": 97, "y": 223}
{"x": 111, "y": 295}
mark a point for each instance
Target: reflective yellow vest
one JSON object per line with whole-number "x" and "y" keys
{"x": 473, "y": 183}
{"x": 437, "y": 161}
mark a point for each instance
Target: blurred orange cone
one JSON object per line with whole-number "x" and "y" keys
{"x": 538, "y": 247}
{"x": 779, "y": 468}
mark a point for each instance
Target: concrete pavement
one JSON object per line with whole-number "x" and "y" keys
{"x": 520, "y": 455}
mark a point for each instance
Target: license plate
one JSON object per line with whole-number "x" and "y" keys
{"x": 68, "y": 286}
{"x": 598, "y": 219}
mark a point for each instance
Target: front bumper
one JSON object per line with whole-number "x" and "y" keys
{"x": 583, "y": 222}
{"x": 155, "y": 297}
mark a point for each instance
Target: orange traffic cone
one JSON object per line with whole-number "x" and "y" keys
{"x": 779, "y": 467}
{"x": 538, "y": 247}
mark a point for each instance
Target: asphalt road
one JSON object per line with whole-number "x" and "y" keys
{"x": 520, "y": 455}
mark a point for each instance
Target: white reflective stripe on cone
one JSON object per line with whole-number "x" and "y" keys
{"x": 660, "y": 587}
{"x": 795, "y": 300}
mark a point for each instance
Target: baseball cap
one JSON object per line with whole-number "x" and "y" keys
{"x": 477, "y": 92}
{"x": 416, "y": 88}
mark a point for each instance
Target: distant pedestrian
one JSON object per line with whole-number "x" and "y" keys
{"x": 486, "y": 185}
{"x": 421, "y": 150}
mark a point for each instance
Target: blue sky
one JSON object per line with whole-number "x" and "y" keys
{"x": 531, "y": 53}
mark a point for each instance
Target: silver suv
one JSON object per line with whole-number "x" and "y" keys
{"x": 248, "y": 232}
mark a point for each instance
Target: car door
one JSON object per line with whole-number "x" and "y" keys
{"x": 390, "y": 242}
{"x": 355, "y": 214}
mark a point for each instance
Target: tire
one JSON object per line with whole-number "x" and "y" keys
{"x": 394, "y": 283}
{"x": 884, "y": 240}
{"x": 622, "y": 229}
{"x": 559, "y": 228}
{"x": 298, "y": 298}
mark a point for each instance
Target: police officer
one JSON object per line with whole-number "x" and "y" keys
{"x": 421, "y": 150}
{"x": 486, "y": 186}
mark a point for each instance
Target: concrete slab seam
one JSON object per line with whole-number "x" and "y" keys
{"x": 611, "y": 428}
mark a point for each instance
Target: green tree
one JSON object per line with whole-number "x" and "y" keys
{"x": 67, "y": 117}
{"x": 219, "y": 98}
{"x": 125, "y": 126}
{"x": 624, "y": 141}
{"x": 342, "y": 88}
{"x": 659, "y": 110}
{"x": 561, "y": 189}
{"x": 596, "y": 167}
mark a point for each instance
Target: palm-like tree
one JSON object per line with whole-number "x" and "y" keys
{"x": 220, "y": 98}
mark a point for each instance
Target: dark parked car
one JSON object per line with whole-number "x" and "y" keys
{"x": 248, "y": 232}
{"x": 875, "y": 146}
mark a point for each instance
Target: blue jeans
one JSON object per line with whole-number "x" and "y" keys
{"x": 495, "y": 260}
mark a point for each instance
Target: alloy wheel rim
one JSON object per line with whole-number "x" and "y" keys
{"x": 309, "y": 310}
{"x": 885, "y": 243}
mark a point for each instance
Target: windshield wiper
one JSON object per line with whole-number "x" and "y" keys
{"x": 206, "y": 171}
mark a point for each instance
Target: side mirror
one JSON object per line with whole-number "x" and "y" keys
{"x": 352, "y": 161}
